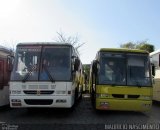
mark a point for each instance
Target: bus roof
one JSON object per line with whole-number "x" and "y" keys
{"x": 43, "y": 43}
{"x": 5, "y": 50}
{"x": 122, "y": 50}
{"x": 48, "y": 44}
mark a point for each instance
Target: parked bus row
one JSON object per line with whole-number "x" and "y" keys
{"x": 51, "y": 75}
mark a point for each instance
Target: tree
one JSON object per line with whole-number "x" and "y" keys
{"x": 86, "y": 68}
{"x": 73, "y": 40}
{"x": 145, "y": 46}
{"x": 142, "y": 45}
{"x": 128, "y": 45}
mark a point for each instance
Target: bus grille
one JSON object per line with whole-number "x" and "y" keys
{"x": 38, "y": 101}
{"x": 38, "y": 87}
{"x": 118, "y": 95}
{"x": 125, "y": 96}
{"x": 133, "y": 96}
{"x": 39, "y": 92}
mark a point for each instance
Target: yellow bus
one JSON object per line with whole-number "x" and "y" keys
{"x": 155, "y": 59}
{"x": 120, "y": 79}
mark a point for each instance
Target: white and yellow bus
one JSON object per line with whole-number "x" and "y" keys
{"x": 155, "y": 59}
{"x": 45, "y": 75}
{"x": 120, "y": 79}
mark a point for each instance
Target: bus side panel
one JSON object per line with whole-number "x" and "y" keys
{"x": 4, "y": 79}
{"x": 156, "y": 90}
{"x": 4, "y": 96}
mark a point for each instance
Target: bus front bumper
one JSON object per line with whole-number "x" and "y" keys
{"x": 123, "y": 105}
{"x": 42, "y": 101}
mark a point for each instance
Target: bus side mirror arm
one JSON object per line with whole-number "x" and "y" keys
{"x": 10, "y": 62}
{"x": 76, "y": 64}
{"x": 153, "y": 81}
{"x": 153, "y": 70}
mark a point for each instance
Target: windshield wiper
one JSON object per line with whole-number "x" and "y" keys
{"x": 134, "y": 79}
{"x": 29, "y": 73}
{"x": 138, "y": 84}
{"x": 49, "y": 74}
{"x": 113, "y": 84}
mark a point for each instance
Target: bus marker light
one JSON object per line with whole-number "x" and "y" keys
{"x": 15, "y": 91}
{"x": 15, "y": 100}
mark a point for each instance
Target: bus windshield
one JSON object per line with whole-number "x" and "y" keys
{"x": 138, "y": 70}
{"x": 56, "y": 63}
{"x": 112, "y": 69}
{"x": 42, "y": 63}
{"x": 124, "y": 69}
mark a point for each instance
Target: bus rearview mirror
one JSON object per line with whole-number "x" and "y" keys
{"x": 95, "y": 69}
{"x": 76, "y": 64}
{"x": 153, "y": 70}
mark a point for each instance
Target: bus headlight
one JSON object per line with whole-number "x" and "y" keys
{"x": 146, "y": 97}
{"x": 60, "y": 92}
{"x": 101, "y": 95}
{"x": 16, "y": 102}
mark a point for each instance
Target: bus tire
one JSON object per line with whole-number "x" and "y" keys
{"x": 93, "y": 100}
{"x": 80, "y": 97}
{"x": 76, "y": 96}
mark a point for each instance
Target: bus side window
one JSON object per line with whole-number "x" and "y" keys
{"x": 1, "y": 74}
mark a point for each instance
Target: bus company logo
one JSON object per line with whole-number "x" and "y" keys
{"x": 38, "y": 92}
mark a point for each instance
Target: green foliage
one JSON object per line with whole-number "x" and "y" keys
{"x": 86, "y": 68}
{"x": 143, "y": 45}
{"x": 128, "y": 45}
{"x": 146, "y": 46}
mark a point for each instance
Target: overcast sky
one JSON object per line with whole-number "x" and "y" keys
{"x": 98, "y": 23}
